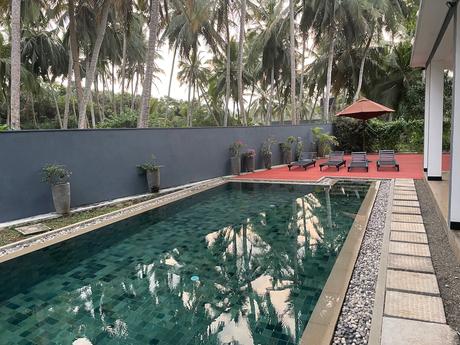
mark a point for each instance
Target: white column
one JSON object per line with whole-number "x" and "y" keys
{"x": 454, "y": 192}
{"x": 427, "y": 118}
{"x": 436, "y": 92}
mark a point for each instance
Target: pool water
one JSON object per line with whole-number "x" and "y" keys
{"x": 239, "y": 264}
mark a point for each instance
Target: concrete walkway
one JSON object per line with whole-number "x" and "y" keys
{"x": 413, "y": 310}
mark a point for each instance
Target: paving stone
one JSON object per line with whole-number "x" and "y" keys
{"x": 407, "y": 180}
{"x": 406, "y": 210}
{"x": 412, "y": 282}
{"x": 404, "y": 236}
{"x": 409, "y": 332}
{"x": 410, "y": 188}
{"x": 408, "y": 218}
{"x": 405, "y": 192}
{"x": 414, "y": 306}
{"x": 398, "y": 196}
{"x": 406, "y": 203}
{"x": 410, "y": 227}
{"x": 409, "y": 248}
{"x": 410, "y": 263}
{"x": 33, "y": 229}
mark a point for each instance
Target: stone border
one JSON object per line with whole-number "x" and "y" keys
{"x": 28, "y": 245}
{"x": 321, "y": 325}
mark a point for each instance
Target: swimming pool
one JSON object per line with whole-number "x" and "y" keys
{"x": 242, "y": 263}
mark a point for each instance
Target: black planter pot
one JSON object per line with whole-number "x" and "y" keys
{"x": 250, "y": 163}
{"x": 235, "y": 165}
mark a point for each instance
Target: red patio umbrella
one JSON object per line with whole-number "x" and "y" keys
{"x": 364, "y": 109}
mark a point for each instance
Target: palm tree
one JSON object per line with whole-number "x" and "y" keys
{"x": 15, "y": 92}
{"x": 292, "y": 58}
{"x": 240, "y": 61}
{"x": 149, "y": 66}
{"x": 188, "y": 22}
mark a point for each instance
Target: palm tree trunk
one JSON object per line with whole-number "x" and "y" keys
{"x": 361, "y": 67}
{"x": 100, "y": 33}
{"x": 270, "y": 101}
{"x": 327, "y": 96}
{"x": 75, "y": 53}
{"x": 172, "y": 70}
{"x": 228, "y": 67}
{"x": 58, "y": 112}
{"x": 114, "y": 105}
{"x": 304, "y": 38}
{"x": 240, "y": 62}
{"x": 293, "y": 65}
{"x": 314, "y": 106}
{"x": 123, "y": 69}
{"x": 93, "y": 115}
{"x": 15, "y": 84}
{"x": 34, "y": 115}
{"x": 189, "y": 108}
{"x": 65, "y": 122}
{"x": 147, "y": 89}
{"x": 133, "y": 100}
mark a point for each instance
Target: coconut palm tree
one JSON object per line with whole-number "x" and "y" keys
{"x": 240, "y": 61}
{"x": 15, "y": 92}
{"x": 149, "y": 66}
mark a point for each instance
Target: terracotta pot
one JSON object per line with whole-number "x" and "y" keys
{"x": 61, "y": 197}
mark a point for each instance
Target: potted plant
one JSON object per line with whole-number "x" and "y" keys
{"x": 250, "y": 160}
{"x": 152, "y": 173}
{"x": 235, "y": 157}
{"x": 323, "y": 141}
{"x": 58, "y": 177}
{"x": 286, "y": 149}
{"x": 298, "y": 148}
{"x": 266, "y": 152}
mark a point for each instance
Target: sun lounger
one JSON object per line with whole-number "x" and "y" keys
{"x": 387, "y": 159}
{"x": 306, "y": 159}
{"x": 335, "y": 160}
{"x": 359, "y": 160}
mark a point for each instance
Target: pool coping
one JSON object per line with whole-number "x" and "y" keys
{"x": 322, "y": 323}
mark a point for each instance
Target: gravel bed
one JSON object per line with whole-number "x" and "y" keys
{"x": 445, "y": 263}
{"x": 355, "y": 319}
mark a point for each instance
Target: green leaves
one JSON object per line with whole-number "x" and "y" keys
{"x": 55, "y": 174}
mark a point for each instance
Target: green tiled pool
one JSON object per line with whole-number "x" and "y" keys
{"x": 242, "y": 263}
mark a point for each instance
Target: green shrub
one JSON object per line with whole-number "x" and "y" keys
{"x": 399, "y": 135}
{"x": 323, "y": 141}
{"x": 126, "y": 119}
{"x": 55, "y": 174}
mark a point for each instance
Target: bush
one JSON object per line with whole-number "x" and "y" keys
{"x": 126, "y": 119}
{"x": 399, "y": 135}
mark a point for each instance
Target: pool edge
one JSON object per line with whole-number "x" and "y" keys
{"x": 322, "y": 323}
{"x": 50, "y": 238}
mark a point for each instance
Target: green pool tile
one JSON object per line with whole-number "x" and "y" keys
{"x": 262, "y": 254}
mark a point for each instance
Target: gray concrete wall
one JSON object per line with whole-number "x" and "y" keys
{"x": 103, "y": 162}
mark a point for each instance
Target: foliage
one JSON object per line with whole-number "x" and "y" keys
{"x": 55, "y": 174}
{"x": 323, "y": 141}
{"x": 399, "y": 135}
{"x": 298, "y": 148}
{"x": 266, "y": 150}
{"x": 3, "y": 128}
{"x": 150, "y": 166}
{"x": 126, "y": 119}
{"x": 235, "y": 148}
{"x": 287, "y": 145}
